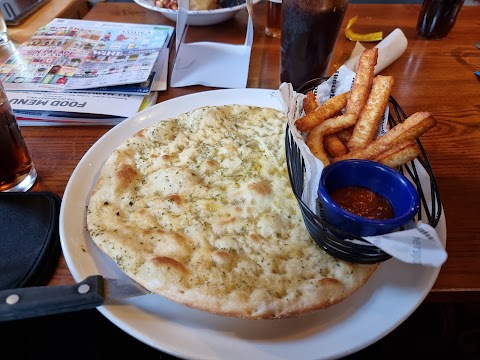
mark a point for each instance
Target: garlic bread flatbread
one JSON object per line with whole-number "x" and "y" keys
{"x": 199, "y": 209}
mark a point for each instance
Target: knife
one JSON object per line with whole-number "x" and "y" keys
{"x": 94, "y": 291}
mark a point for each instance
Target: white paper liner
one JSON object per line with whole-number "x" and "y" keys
{"x": 420, "y": 243}
{"x": 389, "y": 50}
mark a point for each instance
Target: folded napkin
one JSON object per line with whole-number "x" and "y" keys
{"x": 210, "y": 63}
{"x": 389, "y": 50}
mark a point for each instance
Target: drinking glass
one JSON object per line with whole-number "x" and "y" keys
{"x": 4, "y": 38}
{"x": 273, "y": 25}
{"x": 17, "y": 172}
{"x": 437, "y": 18}
{"x": 309, "y": 33}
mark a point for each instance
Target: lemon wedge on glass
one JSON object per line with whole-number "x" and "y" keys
{"x": 351, "y": 35}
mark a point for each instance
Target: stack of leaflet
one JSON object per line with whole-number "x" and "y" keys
{"x": 80, "y": 72}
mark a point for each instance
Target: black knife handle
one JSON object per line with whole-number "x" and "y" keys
{"x": 31, "y": 302}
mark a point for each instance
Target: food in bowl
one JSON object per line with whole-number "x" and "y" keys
{"x": 348, "y": 119}
{"x": 199, "y": 209}
{"x": 193, "y": 4}
{"x": 391, "y": 189}
{"x": 363, "y": 202}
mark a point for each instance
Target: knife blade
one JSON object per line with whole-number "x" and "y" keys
{"x": 95, "y": 290}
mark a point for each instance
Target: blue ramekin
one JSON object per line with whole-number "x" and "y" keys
{"x": 383, "y": 180}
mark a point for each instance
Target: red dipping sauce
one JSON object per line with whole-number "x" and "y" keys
{"x": 363, "y": 202}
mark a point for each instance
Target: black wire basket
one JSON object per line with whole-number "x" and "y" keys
{"x": 344, "y": 245}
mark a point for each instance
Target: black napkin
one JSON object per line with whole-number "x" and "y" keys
{"x": 29, "y": 238}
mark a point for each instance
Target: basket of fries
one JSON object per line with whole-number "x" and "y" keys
{"x": 413, "y": 164}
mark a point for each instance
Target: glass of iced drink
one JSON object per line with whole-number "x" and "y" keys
{"x": 309, "y": 33}
{"x": 273, "y": 26}
{"x": 4, "y": 38}
{"x": 437, "y": 18}
{"x": 17, "y": 172}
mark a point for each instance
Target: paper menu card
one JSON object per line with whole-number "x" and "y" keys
{"x": 72, "y": 54}
{"x": 210, "y": 63}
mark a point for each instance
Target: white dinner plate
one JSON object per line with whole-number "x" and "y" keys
{"x": 392, "y": 293}
{"x": 201, "y": 17}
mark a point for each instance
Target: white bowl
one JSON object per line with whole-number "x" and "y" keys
{"x": 199, "y": 17}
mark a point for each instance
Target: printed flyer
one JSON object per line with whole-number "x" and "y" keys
{"x": 67, "y": 54}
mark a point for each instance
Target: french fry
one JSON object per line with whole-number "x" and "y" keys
{"x": 345, "y": 126}
{"x": 345, "y": 135}
{"x": 325, "y": 111}
{"x": 314, "y": 142}
{"x": 400, "y": 154}
{"x": 330, "y": 126}
{"x": 334, "y": 146}
{"x": 362, "y": 82}
{"x": 414, "y": 126}
{"x": 367, "y": 124}
{"x": 309, "y": 102}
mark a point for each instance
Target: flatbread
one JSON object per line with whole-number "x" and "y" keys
{"x": 199, "y": 209}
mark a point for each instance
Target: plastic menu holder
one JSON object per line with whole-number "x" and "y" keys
{"x": 29, "y": 238}
{"x": 210, "y": 63}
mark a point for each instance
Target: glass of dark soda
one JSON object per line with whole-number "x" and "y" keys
{"x": 309, "y": 33}
{"x": 17, "y": 172}
{"x": 437, "y": 18}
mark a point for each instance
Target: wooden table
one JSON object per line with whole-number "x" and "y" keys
{"x": 71, "y": 9}
{"x": 435, "y": 76}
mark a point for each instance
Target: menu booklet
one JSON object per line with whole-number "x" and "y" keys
{"x": 99, "y": 109}
{"x": 84, "y": 69}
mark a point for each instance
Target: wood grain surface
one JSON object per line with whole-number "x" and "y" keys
{"x": 435, "y": 76}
